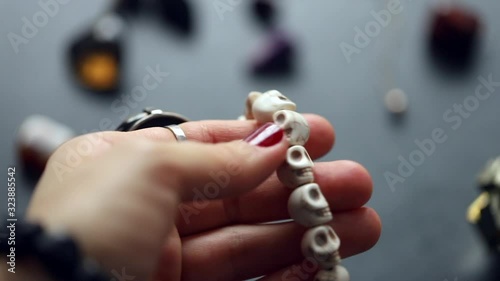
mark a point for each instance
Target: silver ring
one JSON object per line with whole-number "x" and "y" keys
{"x": 178, "y": 132}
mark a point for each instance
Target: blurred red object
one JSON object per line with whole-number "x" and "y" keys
{"x": 455, "y": 33}
{"x": 37, "y": 138}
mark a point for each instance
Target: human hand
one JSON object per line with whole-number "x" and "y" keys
{"x": 120, "y": 202}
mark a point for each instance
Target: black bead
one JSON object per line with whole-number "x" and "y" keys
{"x": 127, "y": 7}
{"x": 26, "y": 233}
{"x": 178, "y": 14}
{"x": 4, "y": 238}
{"x": 89, "y": 270}
{"x": 488, "y": 187}
{"x": 264, "y": 10}
{"x": 59, "y": 253}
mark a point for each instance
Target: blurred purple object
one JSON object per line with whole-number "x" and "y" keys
{"x": 275, "y": 57}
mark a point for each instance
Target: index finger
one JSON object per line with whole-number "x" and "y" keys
{"x": 215, "y": 131}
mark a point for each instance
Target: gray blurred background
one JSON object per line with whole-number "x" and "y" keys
{"x": 425, "y": 234}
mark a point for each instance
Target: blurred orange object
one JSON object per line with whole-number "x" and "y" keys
{"x": 95, "y": 57}
{"x": 99, "y": 71}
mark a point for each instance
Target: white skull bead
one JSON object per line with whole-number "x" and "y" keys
{"x": 322, "y": 244}
{"x": 297, "y": 169}
{"x": 265, "y": 105}
{"x": 295, "y": 126}
{"x": 252, "y": 96}
{"x": 490, "y": 175}
{"x": 339, "y": 273}
{"x": 308, "y": 207}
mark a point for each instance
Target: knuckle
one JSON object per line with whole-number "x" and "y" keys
{"x": 207, "y": 135}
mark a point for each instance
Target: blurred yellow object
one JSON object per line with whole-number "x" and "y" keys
{"x": 474, "y": 211}
{"x": 99, "y": 71}
{"x": 484, "y": 211}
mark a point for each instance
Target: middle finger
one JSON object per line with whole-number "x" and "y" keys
{"x": 346, "y": 185}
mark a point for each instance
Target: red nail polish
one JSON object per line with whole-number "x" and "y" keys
{"x": 265, "y": 136}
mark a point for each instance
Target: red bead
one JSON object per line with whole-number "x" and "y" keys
{"x": 454, "y": 36}
{"x": 266, "y": 136}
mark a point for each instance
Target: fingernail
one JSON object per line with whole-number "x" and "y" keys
{"x": 265, "y": 136}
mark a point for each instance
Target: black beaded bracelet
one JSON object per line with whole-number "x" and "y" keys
{"x": 57, "y": 252}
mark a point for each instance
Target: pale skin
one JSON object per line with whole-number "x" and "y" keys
{"x": 121, "y": 204}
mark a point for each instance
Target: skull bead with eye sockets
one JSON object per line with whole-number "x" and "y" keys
{"x": 297, "y": 169}
{"x": 322, "y": 244}
{"x": 295, "y": 126}
{"x": 266, "y": 104}
{"x": 308, "y": 207}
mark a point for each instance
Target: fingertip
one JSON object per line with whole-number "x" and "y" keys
{"x": 322, "y": 135}
{"x": 347, "y": 185}
{"x": 375, "y": 227}
{"x": 359, "y": 230}
{"x": 362, "y": 180}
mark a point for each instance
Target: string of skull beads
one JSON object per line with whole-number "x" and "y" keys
{"x": 306, "y": 205}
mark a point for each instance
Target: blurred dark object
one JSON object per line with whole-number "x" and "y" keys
{"x": 454, "y": 36}
{"x": 276, "y": 56}
{"x": 178, "y": 14}
{"x": 264, "y": 11}
{"x": 484, "y": 212}
{"x": 37, "y": 138}
{"x": 149, "y": 118}
{"x": 127, "y": 7}
{"x": 96, "y": 57}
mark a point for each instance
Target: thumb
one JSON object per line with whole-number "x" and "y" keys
{"x": 210, "y": 171}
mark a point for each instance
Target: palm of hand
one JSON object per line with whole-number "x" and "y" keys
{"x": 222, "y": 239}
